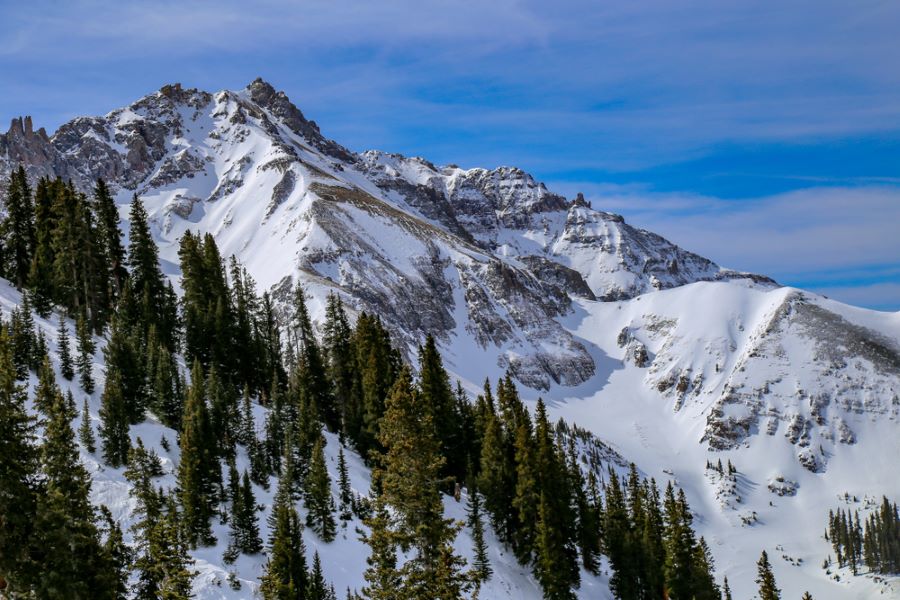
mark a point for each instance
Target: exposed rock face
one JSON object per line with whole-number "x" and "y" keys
{"x": 488, "y": 254}
{"x": 798, "y": 370}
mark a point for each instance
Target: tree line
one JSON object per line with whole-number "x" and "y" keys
{"x": 874, "y": 542}
{"x": 423, "y": 438}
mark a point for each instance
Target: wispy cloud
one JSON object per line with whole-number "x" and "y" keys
{"x": 840, "y": 241}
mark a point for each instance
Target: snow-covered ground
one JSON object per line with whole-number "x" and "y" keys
{"x": 689, "y": 363}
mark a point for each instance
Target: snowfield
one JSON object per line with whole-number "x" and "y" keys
{"x": 664, "y": 355}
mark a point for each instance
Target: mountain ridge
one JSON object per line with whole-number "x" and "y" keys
{"x": 663, "y": 353}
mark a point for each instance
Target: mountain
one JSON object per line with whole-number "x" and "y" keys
{"x": 671, "y": 359}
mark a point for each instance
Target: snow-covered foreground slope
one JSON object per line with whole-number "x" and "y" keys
{"x": 343, "y": 560}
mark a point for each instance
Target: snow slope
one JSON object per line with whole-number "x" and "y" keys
{"x": 668, "y": 357}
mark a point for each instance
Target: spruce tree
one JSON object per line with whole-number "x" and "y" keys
{"x": 123, "y": 355}
{"x": 726, "y": 590}
{"x": 410, "y": 483}
{"x": 18, "y": 229}
{"x": 317, "y": 495}
{"x": 437, "y": 395}
{"x": 345, "y": 507}
{"x": 317, "y": 589}
{"x": 40, "y": 276}
{"x": 85, "y": 361}
{"x": 198, "y": 469}
{"x": 73, "y": 562}
{"x": 382, "y": 576}
{"x": 310, "y": 368}
{"x": 110, "y": 238}
{"x": 114, "y": 438}
{"x": 481, "y": 564}
{"x": 19, "y": 478}
{"x": 246, "y": 522}
{"x": 285, "y": 576}
{"x": 66, "y": 368}
{"x": 85, "y": 430}
{"x": 768, "y": 590}
{"x": 337, "y": 344}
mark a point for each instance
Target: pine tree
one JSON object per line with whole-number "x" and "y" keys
{"x": 317, "y": 495}
{"x": 85, "y": 360}
{"x": 40, "y": 277}
{"x": 337, "y": 344}
{"x": 110, "y": 238}
{"x": 150, "y": 293}
{"x": 66, "y": 367}
{"x": 114, "y": 437}
{"x": 86, "y": 431}
{"x": 317, "y": 589}
{"x": 481, "y": 564}
{"x": 806, "y": 596}
{"x": 18, "y": 229}
{"x": 410, "y": 483}
{"x": 198, "y": 469}
{"x": 382, "y": 576}
{"x": 73, "y": 561}
{"x": 122, "y": 354}
{"x": 766, "y": 580}
{"x": 19, "y": 478}
{"x": 345, "y": 507}
{"x": 46, "y": 389}
{"x": 437, "y": 395}
{"x": 285, "y": 576}
{"x": 310, "y": 369}
{"x": 246, "y": 522}
{"x": 726, "y": 590}
{"x": 705, "y": 587}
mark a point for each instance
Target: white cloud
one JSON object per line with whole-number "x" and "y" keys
{"x": 844, "y": 241}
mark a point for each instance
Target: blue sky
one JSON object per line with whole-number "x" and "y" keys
{"x": 763, "y": 134}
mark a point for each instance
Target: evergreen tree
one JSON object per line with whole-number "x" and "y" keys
{"x": 310, "y": 369}
{"x": 110, "y": 238}
{"x": 410, "y": 483}
{"x": 806, "y": 596}
{"x": 86, "y": 431}
{"x": 153, "y": 299}
{"x": 18, "y": 229}
{"x": 285, "y": 575}
{"x": 766, "y": 579}
{"x": 726, "y": 590}
{"x": 66, "y": 368}
{"x": 337, "y": 344}
{"x": 164, "y": 565}
{"x": 437, "y": 396}
{"x": 114, "y": 437}
{"x": 705, "y": 587}
{"x": 244, "y": 522}
{"x": 317, "y": 589}
{"x": 72, "y": 559}
{"x": 481, "y": 563}
{"x": 123, "y": 355}
{"x": 382, "y": 576}
{"x": 317, "y": 495}
{"x": 346, "y": 493}
{"x": 19, "y": 479}
{"x": 41, "y": 277}
{"x": 85, "y": 360}
{"x": 198, "y": 470}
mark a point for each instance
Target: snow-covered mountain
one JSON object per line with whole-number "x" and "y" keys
{"x": 668, "y": 357}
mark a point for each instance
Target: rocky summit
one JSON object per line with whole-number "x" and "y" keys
{"x": 670, "y": 359}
